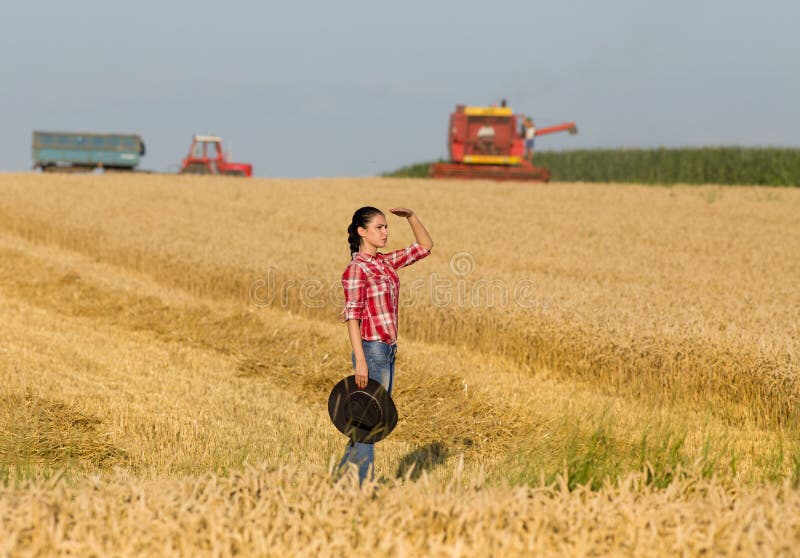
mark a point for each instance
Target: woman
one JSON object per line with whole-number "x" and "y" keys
{"x": 371, "y": 294}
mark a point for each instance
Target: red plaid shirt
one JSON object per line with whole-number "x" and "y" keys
{"x": 372, "y": 290}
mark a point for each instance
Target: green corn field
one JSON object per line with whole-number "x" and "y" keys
{"x": 706, "y": 165}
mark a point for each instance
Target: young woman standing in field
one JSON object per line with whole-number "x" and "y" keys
{"x": 371, "y": 294}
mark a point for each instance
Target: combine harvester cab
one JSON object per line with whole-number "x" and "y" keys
{"x": 206, "y": 156}
{"x": 486, "y": 143}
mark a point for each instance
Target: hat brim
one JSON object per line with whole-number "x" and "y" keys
{"x": 339, "y": 411}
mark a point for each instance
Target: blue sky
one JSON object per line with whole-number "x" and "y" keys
{"x": 355, "y": 88}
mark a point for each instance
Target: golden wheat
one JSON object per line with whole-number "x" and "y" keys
{"x": 657, "y": 322}
{"x": 281, "y": 511}
{"x": 641, "y": 289}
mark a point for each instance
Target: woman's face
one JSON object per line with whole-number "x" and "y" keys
{"x": 376, "y": 233}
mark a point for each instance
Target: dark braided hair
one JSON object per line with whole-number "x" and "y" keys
{"x": 361, "y": 218}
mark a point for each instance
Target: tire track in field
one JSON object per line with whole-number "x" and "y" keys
{"x": 738, "y": 383}
{"x": 460, "y": 403}
{"x": 294, "y": 352}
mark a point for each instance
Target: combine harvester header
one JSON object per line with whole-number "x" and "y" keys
{"x": 489, "y": 143}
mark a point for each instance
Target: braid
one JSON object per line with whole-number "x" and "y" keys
{"x": 353, "y": 238}
{"x": 361, "y": 218}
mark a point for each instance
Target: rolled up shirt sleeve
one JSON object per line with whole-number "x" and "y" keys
{"x": 354, "y": 282}
{"x": 407, "y": 256}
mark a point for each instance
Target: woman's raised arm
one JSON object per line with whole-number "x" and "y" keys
{"x": 419, "y": 230}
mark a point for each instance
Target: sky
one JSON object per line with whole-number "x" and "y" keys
{"x": 356, "y": 88}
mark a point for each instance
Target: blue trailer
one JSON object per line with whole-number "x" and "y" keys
{"x": 81, "y": 152}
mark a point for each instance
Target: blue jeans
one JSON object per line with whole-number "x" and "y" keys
{"x": 380, "y": 363}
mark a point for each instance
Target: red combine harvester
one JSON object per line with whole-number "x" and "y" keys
{"x": 207, "y": 157}
{"x": 486, "y": 143}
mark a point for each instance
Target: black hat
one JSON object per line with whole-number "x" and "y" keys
{"x": 365, "y": 415}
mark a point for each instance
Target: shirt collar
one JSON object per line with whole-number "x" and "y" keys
{"x": 364, "y": 256}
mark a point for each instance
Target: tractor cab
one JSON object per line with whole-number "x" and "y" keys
{"x": 206, "y": 156}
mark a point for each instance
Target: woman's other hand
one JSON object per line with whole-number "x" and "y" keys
{"x": 402, "y": 212}
{"x": 362, "y": 374}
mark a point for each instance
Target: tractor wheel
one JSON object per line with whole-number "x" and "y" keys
{"x": 195, "y": 168}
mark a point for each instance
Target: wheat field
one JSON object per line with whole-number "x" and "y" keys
{"x": 584, "y": 370}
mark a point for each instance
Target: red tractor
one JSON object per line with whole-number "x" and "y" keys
{"x": 207, "y": 157}
{"x": 489, "y": 143}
